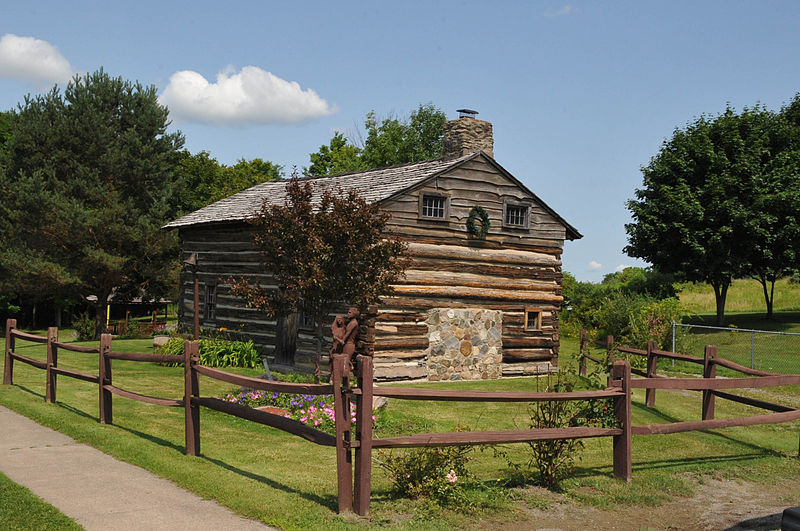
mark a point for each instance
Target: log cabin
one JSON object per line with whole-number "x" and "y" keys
{"x": 480, "y": 298}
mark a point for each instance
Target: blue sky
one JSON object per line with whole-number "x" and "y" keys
{"x": 581, "y": 94}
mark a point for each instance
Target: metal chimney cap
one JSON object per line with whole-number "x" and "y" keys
{"x": 466, "y": 113}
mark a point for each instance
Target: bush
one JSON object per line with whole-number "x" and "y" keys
{"x": 434, "y": 473}
{"x": 85, "y": 327}
{"x": 635, "y": 320}
{"x": 132, "y": 331}
{"x": 219, "y": 352}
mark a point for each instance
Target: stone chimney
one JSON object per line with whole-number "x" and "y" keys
{"x": 467, "y": 135}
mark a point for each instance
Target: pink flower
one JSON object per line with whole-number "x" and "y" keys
{"x": 451, "y": 477}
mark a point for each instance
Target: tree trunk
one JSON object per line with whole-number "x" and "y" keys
{"x": 57, "y": 315}
{"x": 769, "y": 294}
{"x": 720, "y": 294}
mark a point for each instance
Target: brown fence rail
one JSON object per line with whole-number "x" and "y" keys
{"x": 354, "y": 471}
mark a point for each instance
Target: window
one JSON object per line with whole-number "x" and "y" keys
{"x": 533, "y": 319}
{"x": 515, "y": 215}
{"x": 433, "y": 206}
{"x": 210, "y": 302}
{"x": 305, "y": 321}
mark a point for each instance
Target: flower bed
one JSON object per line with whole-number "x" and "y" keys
{"x": 313, "y": 410}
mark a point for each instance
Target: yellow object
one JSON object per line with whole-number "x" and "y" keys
{"x": 108, "y": 314}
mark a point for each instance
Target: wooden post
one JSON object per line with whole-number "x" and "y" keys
{"x": 363, "y": 480}
{"x": 196, "y": 307}
{"x": 709, "y": 371}
{"x": 652, "y": 368}
{"x": 621, "y": 373}
{"x": 582, "y": 356}
{"x": 52, "y": 361}
{"x": 106, "y": 413}
{"x": 344, "y": 457}
{"x": 191, "y": 389}
{"x": 8, "y": 368}
{"x": 610, "y": 350}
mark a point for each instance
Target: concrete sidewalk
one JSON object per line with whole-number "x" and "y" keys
{"x": 98, "y": 491}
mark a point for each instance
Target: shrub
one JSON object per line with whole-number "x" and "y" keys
{"x": 132, "y": 331}
{"x": 634, "y": 320}
{"x": 85, "y": 327}
{"x": 438, "y": 474}
{"x": 219, "y": 352}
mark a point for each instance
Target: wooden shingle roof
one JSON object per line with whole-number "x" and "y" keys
{"x": 372, "y": 185}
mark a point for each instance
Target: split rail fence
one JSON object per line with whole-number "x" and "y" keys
{"x": 355, "y": 443}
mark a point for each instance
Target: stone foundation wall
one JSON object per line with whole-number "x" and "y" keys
{"x": 464, "y": 344}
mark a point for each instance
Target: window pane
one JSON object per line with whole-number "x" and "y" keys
{"x": 433, "y": 206}
{"x": 516, "y": 215}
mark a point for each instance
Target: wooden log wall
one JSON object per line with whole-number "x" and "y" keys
{"x": 511, "y": 270}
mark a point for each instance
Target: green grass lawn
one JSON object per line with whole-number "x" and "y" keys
{"x": 265, "y": 474}
{"x": 21, "y": 509}
{"x": 744, "y": 295}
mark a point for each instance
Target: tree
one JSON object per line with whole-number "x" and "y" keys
{"x": 88, "y": 182}
{"x": 389, "y": 141}
{"x": 203, "y": 180}
{"x": 336, "y": 157}
{"x": 776, "y": 228}
{"x": 699, "y": 213}
{"x": 321, "y": 255}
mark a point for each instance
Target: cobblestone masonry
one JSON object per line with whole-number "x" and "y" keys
{"x": 464, "y": 344}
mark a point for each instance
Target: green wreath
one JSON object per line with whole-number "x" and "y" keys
{"x": 474, "y": 230}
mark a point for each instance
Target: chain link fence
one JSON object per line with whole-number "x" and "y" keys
{"x": 764, "y": 350}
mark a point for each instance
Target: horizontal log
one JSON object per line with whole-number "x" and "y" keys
{"x": 491, "y": 437}
{"x": 753, "y": 402}
{"x": 518, "y": 355}
{"x": 264, "y": 385}
{"x": 144, "y": 356}
{"x": 638, "y": 372}
{"x": 30, "y": 361}
{"x": 715, "y": 383}
{"x": 75, "y": 374}
{"x": 511, "y": 342}
{"x": 28, "y": 337}
{"x": 742, "y": 368}
{"x": 540, "y": 273}
{"x": 476, "y": 293}
{"x": 500, "y": 256}
{"x": 268, "y": 419}
{"x": 412, "y": 393}
{"x": 422, "y": 305}
{"x": 77, "y": 348}
{"x": 625, "y": 350}
{"x": 677, "y": 427}
{"x": 447, "y": 278}
{"x": 169, "y": 402}
{"x": 677, "y": 356}
{"x": 390, "y": 344}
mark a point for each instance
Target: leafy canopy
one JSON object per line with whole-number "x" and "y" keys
{"x": 321, "y": 253}
{"x": 88, "y": 181}
{"x": 706, "y": 211}
{"x": 388, "y": 142}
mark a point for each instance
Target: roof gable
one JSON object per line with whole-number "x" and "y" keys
{"x": 374, "y": 186}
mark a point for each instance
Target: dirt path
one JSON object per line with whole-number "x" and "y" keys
{"x": 717, "y": 504}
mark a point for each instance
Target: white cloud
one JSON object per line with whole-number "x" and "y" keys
{"x": 562, "y": 12}
{"x": 620, "y": 268}
{"x": 594, "y": 265}
{"x": 251, "y": 96}
{"x": 31, "y": 59}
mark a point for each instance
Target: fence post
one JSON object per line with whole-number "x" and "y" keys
{"x": 52, "y": 361}
{"x": 344, "y": 457}
{"x": 8, "y": 369}
{"x": 709, "y": 371}
{"x": 191, "y": 389}
{"x": 106, "y": 412}
{"x": 652, "y": 368}
{"x": 622, "y": 411}
{"x": 363, "y": 457}
{"x": 582, "y": 356}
